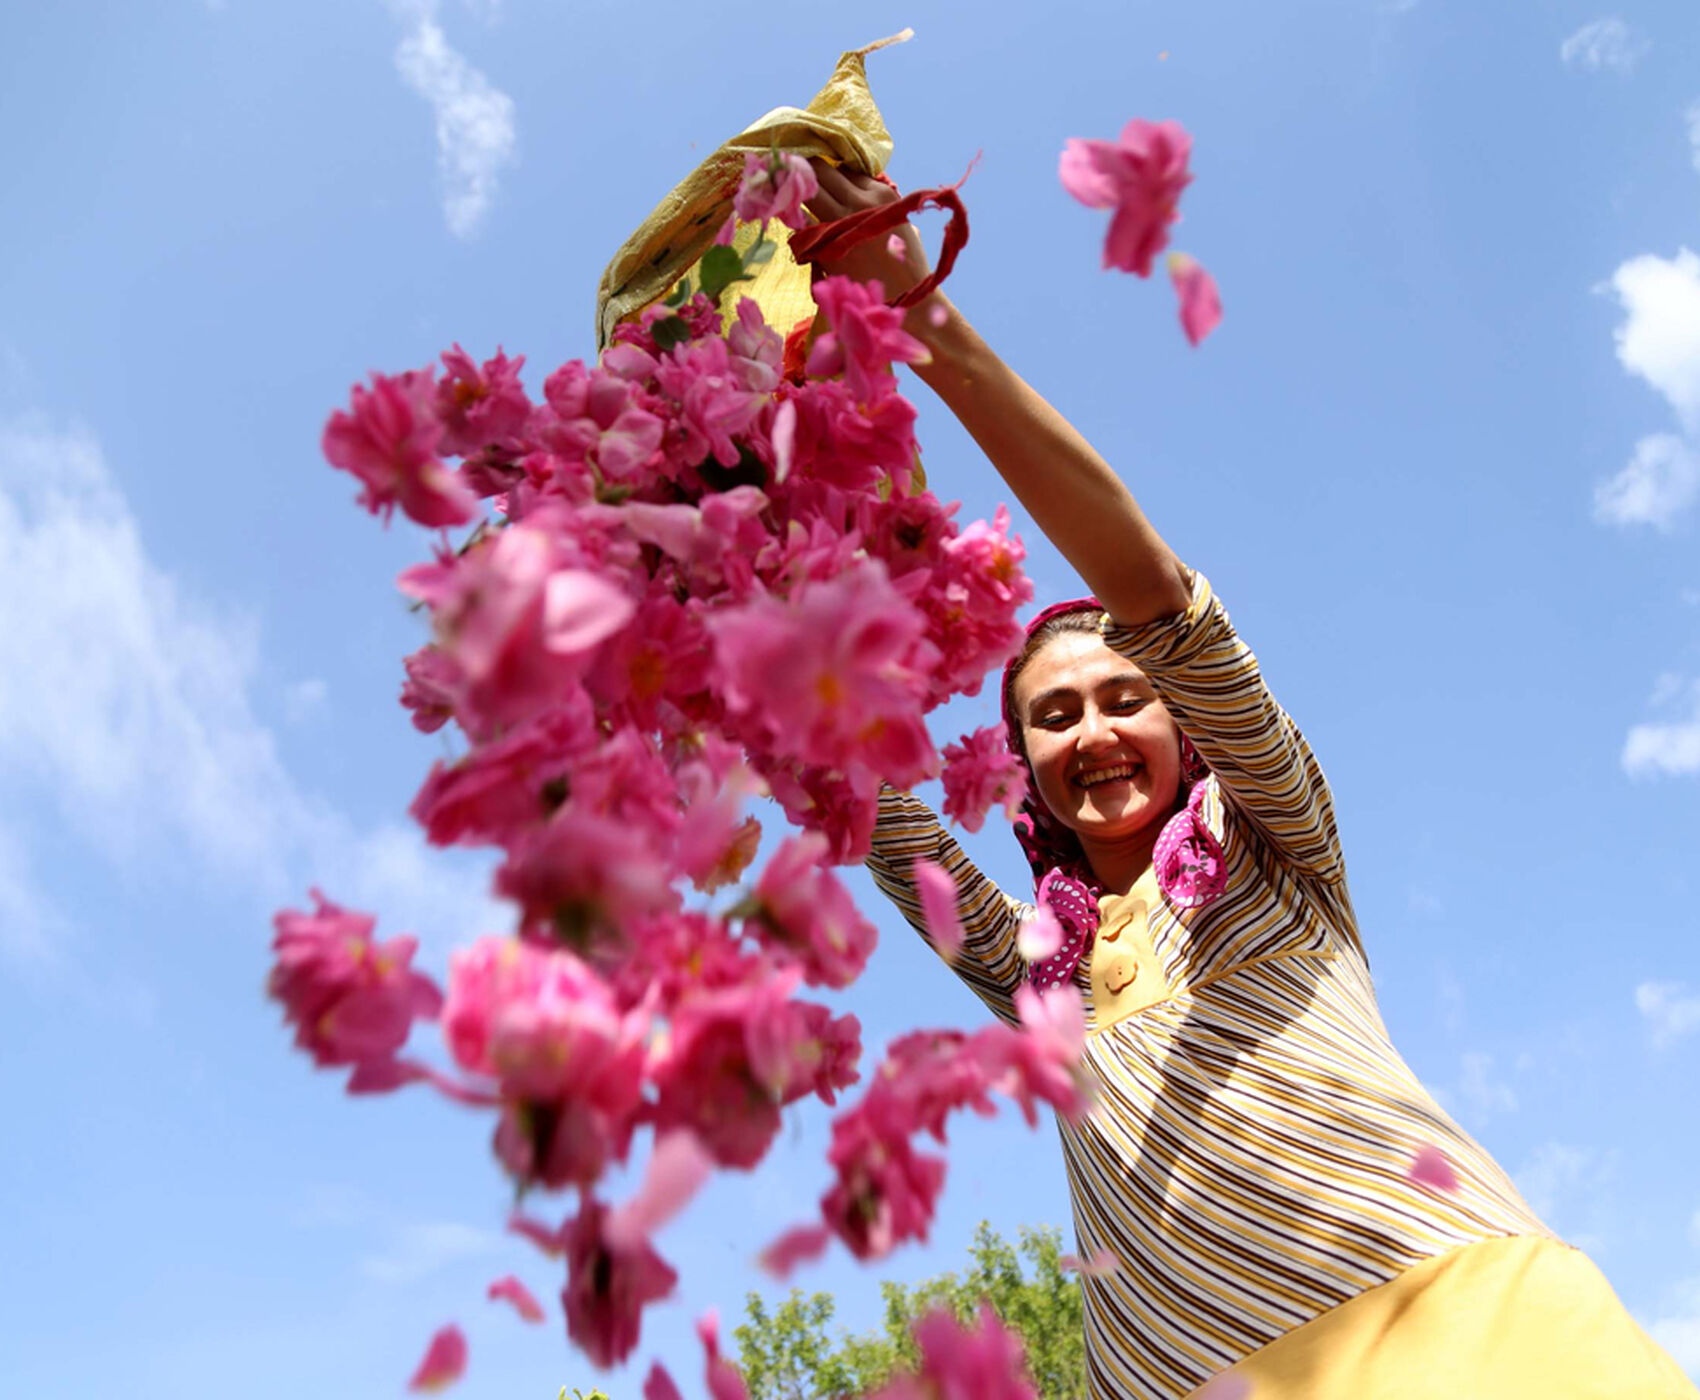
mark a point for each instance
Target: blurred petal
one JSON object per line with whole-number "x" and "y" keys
{"x": 519, "y": 1295}
{"x": 677, "y": 1169}
{"x": 784, "y": 438}
{"x": 1039, "y": 937}
{"x": 798, "y": 1245}
{"x": 445, "y": 1360}
{"x": 1083, "y": 174}
{"x": 1102, "y": 1264}
{"x": 1430, "y": 1168}
{"x": 938, "y": 906}
{"x": 1201, "y": 303}
{"x": 658, "y": 1385}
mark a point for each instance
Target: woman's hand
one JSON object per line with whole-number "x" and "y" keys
{"x": 845, "y": 192}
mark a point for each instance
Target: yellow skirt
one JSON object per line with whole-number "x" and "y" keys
{"x": 1519, "y": 1318}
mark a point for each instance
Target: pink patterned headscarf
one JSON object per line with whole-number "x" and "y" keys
{"x": 1188, "y": 859}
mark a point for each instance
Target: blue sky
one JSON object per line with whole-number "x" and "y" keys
{"x": 1442, "y": 460}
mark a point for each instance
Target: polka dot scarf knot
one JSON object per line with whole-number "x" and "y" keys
{"x": 1188, "y": 860}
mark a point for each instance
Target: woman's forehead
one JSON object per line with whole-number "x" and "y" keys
{"x": 1077, "y": 661}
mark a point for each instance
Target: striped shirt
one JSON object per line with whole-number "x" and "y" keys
{"x": 1248, "y": 1160}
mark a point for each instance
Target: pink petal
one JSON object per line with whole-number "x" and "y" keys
{"x": 938, "y": 906}
{"x": 1102, "y": 1264}
{"x": 1081, "y": 170}
{"x": 1225, "y": 1385}
{"x": 677, "y": 1169}
{"x": 580, "y": 609}
{"x": 1039, "y": 937}
{"x": 445, "y": 1361}
{"x": 1430, "y": 1168}
{"x": 798, "y": 1245}
{"x": 938, "y": 315}
{"x": 784, "y": 438}
{"x": 658, "y": 1385}
{"x": 519, "y": 1295}
{"x": 1201, "y": 303}
{"x": 897, "y": 247}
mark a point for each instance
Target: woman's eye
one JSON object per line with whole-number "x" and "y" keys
{"x": 1130, "y": 703}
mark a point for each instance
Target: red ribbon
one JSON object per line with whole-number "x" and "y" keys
{"x": 830, "y": 241}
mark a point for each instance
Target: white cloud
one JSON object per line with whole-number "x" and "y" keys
{"x": 1661, "y": 481}
{"x": 127, "y": 704}
{"x": 1659, "y": 341}
{"x": 1671, "y": 1013}
{"x": 475, "y": 121}
{"x": 1570, "y": 1188}
{"x": 1480, "y": 1091}
{"x": 1660, "y": 336}
{"x": 1604, "y": 43}
{"x": 1672, "y": 747}
{"x": 418, "y": 1250}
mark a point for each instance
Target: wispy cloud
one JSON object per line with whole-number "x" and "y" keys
{"x": 1604, "y": 43}
{"x": 1571, "y": 1188}
{"x": 419, "y": 1250}
{"x": 1657, "y": 486}
{"x": 1482, "y": 1092}
{"x": 129, "y": 706}
{"x": 1671, "y": 1012}
{"x": 475, "y": 120}
{"x": 1669, "y": 747}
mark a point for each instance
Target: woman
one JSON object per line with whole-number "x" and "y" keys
{"x": 1281, "y": 1194}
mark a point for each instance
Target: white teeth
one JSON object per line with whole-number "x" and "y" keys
{"x": 1105, "y": 775}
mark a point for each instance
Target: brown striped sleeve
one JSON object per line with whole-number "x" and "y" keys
{"x": 989, "y": 963}
{"x": 1211, "y": 684}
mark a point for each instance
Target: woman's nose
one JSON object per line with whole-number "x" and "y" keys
{"x": 1095, "y": 731}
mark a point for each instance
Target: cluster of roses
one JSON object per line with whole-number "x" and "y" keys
{"x": 701, "y": 578}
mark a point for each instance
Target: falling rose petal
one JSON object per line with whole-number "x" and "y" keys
{"x": 938, "y": 906}
{"x": 445, "y": 1360}
{"x": 897, "y": 248}
{"x": 519, "y": 1295}
{"x": 677, "y": 1169}
{"x": 1201, "y": 303}
{"x": 1226, "y": 1385}
{"x": 937, "y": 316}
{"x": 784, "y": 438}
{"x": 798, "y": 1245}
{"x": 658, "y": 1385}
{"x": 1430, "y": 1168}
{"x": 580, "y": 609}
{"x": 1039, "y": 937}
{"x": 724, "y": 1382}
{"x": 1101, "y": 1264}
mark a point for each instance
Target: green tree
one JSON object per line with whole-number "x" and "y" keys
{"x": 787, "y": 1352}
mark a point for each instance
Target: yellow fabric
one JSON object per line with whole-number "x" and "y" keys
{"x": 1517, "y": 1318}
{"x": 1127, "y": 975}
{"x": 841, "y": 124}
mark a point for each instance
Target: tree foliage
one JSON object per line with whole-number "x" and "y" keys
{"x": 787, "y": 1351}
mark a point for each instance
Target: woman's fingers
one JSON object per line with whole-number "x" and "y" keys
{"x": 851, "y": 189}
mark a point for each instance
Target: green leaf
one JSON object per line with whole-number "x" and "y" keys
{"x": 720, "y": 268}
{"x": 668, "y": 332}
{"x": 760, "y": 252}
{"x": 679, "y": 295}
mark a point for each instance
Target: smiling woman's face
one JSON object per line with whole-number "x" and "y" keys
{"x": 1106, "y": 756}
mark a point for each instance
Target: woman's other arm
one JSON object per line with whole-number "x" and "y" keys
{"x": 988, "y": 960}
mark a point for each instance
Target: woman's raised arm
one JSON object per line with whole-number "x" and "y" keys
{"x": 1071, "y": 493}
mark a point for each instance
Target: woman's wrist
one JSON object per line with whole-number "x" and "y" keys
{"x": 949, "y": 339}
